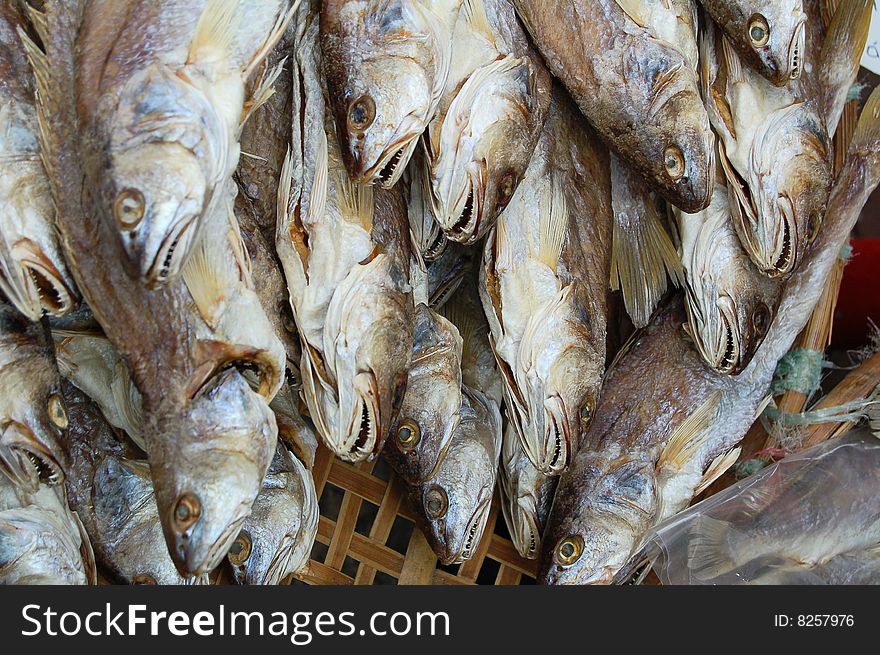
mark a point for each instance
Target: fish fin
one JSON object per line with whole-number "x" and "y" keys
{"x": 643, "y": 256}
{"x": 716, "y": 103}
{"x": 215, "y": 31}
{"x": 717, "y": 468}
{"x": 138, "y": 467}
{"x": 271, "y": 41}
{"x": 841, "y": 56}
{"x": 708, "y": 551}
{"x": 460, "y": 313}
{"x": 731, "y": 61}
{"x": 553, "y": 223}
{"x": 867, "y": 135}
{"x": 474, "y": 12}
{"x": 320, "y": 183}
{"x": 688, "y": 437}
{"x": 208, "y": 277}
{"x": 763, "y": 405}
{"x": 39, "y": 62}
{"x": 633, "y": 9}
{"x": 355, "y": 201}
{"x": 262, "y": 93}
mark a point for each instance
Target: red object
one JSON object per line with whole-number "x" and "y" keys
{"x": 859, "y": 298}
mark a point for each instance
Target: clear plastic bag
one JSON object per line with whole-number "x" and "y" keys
{"x": 813, "y": 518}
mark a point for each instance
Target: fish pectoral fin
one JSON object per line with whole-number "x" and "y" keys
{"x": 732, "y": 63}
{"x": 690, "y": 435}
{"x": 215, "y": 32}
{"x": 85, "y": 549}
{"x": 272, "y": 39}
{"x": 474, "y": 12}
{"x": 643, "y": 256}
{"x": 717, "y": 468}
{"x": 709, "y": 554}
{"x": 841, "y": 56}
{"x": 553, "y": 224}
{"x": 635, "y": 10}
{"x": 264, "y": 90}
{"x": 140, "y": 468}
{"x": 866, "y": 138}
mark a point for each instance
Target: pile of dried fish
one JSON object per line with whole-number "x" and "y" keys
{"x": 232, "y": 230}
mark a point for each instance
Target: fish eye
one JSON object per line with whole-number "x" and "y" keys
{"x": 569, "y": 550}
{"x": 129, "y": 208}
{"x": 187, "y": 510}
{"x": 761, "y": 319}
{"x": 287, "y": 323}
{"x": 144, "y": 578}
{"x": 408, "y": 434}
{"x": 361, "y": 113}
{"x": 759, "y": 30}
{"x": 506, "y": 186}
{"x": 57, "y": 412}
{"x": 673, "y": 160}
{"x": 241, "y": 548}
{"x": 436, "y": 503}
{"x": 813, "y": 227}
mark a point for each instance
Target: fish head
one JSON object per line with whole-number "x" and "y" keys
{"x": 370, "y": 326}
{"x": 158, "y": 199}
{"x": 33, "y": 421}
{"x": 456, "y": 501}
{"x": 168, "y": 150}
{"x": 275, "y": 540}
{"x": 679, "y": 158}
{"x": 520, "y": 497}
{"x": 486, "y": 141}
{"x": 730, "y": 303}
{"x": 208, "y": 468}
{"x": 790, "y": 182}
{"x": 380, "y": 65}
{"x": 775, "y": 32}
{"x": 597, "y": 522}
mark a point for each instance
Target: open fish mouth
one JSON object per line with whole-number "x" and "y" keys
{"x": 167, "y": 262}
{"x": 557, "y": 437}
{"x": 528, "y": 535}
{"x": 32, "y": 462}
{"x": 362, "y": 435}
{"x": 388, "y": 170}
{"x": 727, "y": 357}
{"x": 444, "y": 292}
{"x": 464, "y": 226}
{"x": 784, "y": 262}
{"x": 474, "y": 533}
{"x": 41, "y": 285}
{"x": 796, "y": 50}
{"x": 437, "y": 246}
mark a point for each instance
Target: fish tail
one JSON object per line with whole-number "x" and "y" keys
{"x": 841, "y": 56}
{"x": 643, "y": 256}
{"x": 709, "y": 552}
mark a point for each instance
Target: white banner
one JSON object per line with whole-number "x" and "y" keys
{"x": 871, "y": 58}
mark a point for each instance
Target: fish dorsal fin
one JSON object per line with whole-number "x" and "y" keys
{"x": 355, "y": 201}
{"x": 635, "y": 9}
{"x": 717, "y": 468}
{"x": 553, "y": 224}
{"x": 213, "y": 39}
{"x": 643, "y": 256}
{"x": 474, "y": 12}
{"x": 689, "y": 436}
{"x": 841, "y": 56}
